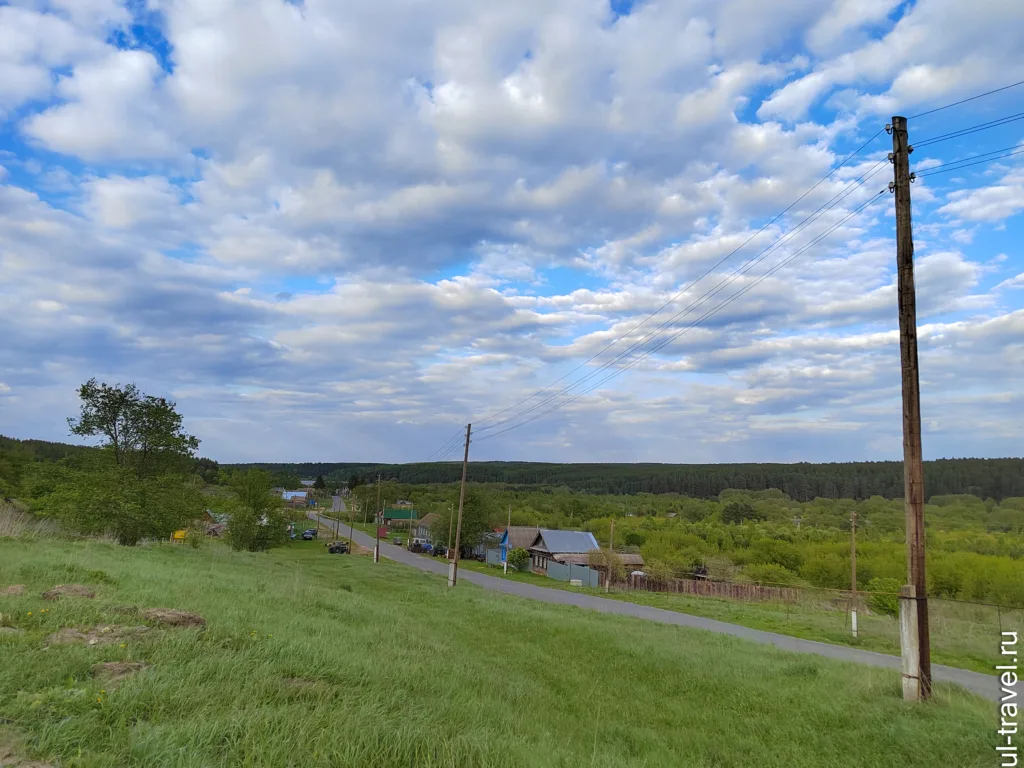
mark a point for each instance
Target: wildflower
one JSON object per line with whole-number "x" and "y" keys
{"x": 102, "y": 692}
{"x": 30, "y": 613}
{"x": 123, "y": 645}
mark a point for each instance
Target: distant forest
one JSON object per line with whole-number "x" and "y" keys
{"x": 984, "y": 478}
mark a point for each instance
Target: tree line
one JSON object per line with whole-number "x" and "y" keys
{"x": 985, "y": 478}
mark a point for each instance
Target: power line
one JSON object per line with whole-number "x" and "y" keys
{"x": 971, "y": 129}
{"x": 961, "y": 164}
{"x": 710, "y": 313}
{"x": 615, "y": 341}
{"x": 964, "y": 101}
{"x": 750, "y": 263}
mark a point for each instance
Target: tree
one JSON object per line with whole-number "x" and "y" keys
{"x": 319, "y": 483}
{"x": 476, "y": 519}
{"x": 738, "y": 511}
{"x": 144, "y": 433}
{"x": 257, "y": 520}
{"x": 634, "y": 539}
{"x": 96, "y": 496}
{"x": 354, "y": 481}
{"x": 606, "y": 560}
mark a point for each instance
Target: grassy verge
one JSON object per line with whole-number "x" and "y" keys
{"x": 312, "y": 660}
{"x": 962, "y": 635}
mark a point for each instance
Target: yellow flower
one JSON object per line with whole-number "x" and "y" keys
{"x": 123, "y": 645}
{"x": 30, "y": 613}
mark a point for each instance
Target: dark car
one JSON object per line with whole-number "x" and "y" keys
{"x": 397, "y": 540}
{"x": 309, "y": 534}
{"x": 338, "y": 548}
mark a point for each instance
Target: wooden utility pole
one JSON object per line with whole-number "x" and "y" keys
{"x": 853, "y": 571}
{"x": 451, "y": 519}
{"x": 611, "y": 552}
{"x": 376, "y": 526}
{"x": 453, "y": 567}
{"x": 508, "y": 537}
{"x": 913, "y": 468}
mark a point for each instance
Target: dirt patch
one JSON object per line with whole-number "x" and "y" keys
{"x": 68, "y": 590}
{"x": 114, "y": 671}
{"x": 172, "y": 618}
{"x": 10, "y": 757}
{"x": 11, "y": 631}
{"x": 102, "y": 634}
{"x": 14, "y": 589}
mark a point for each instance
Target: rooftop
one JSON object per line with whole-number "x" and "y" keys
{"x": 557, "y": 542}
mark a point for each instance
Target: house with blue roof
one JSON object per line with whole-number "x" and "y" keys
{"x": 556, "y": 546}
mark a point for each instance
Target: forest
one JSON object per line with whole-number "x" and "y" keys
{"x": 986, "y": 478}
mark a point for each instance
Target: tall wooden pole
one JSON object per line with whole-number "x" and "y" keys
{"x": 453, "y": 566}
{"x": 611, "y": 551}
{"x": 913, "y": 468}
{"x": 508, "y": 539}
{"x": 853, "y": 571}
{"x": 376, "y": 526}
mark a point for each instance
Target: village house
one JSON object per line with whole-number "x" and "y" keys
{"x": 516, "y": 537}
{"x": 421, "y": 533}
{"x": 397, "y": 518}
{"x": 550, "y": 546}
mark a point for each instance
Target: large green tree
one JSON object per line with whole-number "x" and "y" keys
{"x": 136, "y": 486}
{"x": 477, "y": 514}
{"x": 143, "y": 433}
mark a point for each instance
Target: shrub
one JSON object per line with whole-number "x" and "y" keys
{"x": 633, "y": 539}
{"x": 518, "y": 558}
{"x": 887, "y": 603}
{"x": 769, "y": 573}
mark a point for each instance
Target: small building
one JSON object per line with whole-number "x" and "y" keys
{"x": 421, "y": 533}
{"x": 307, "y": 483}
{"x": 551, "y": 545}
{"x": 516, "y": 537}
{"x": 398, "y": 518}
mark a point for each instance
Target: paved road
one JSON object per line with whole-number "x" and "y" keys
{"x": 339, "y": 504}
{"x": 986, "y": 686}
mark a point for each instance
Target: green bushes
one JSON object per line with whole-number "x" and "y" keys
{"x": 885, "y": 596}
{"x": 769, "y": 573}
{"x": 518, "y": 558}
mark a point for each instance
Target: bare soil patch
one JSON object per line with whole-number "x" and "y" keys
{"x": 102, "y": 634}
{"x": 173, "y": 618}
{"x": 114, "y": 671}
{"x": 68, "y": 590}
{"x": 10, "y": 757}
{"x": 14, "y": 589}
{"x": 11, "y": 631}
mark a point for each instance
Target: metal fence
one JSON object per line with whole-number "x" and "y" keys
{"x": 587, "y": 576}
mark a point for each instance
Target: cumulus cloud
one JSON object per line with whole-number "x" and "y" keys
{"x": 383, "y": 220}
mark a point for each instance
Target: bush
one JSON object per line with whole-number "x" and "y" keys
{"x": 888, "y": 603}
{"x": 518, "y": 558}
{"x": 769, "y": 573}
{"x": 633, "y": 539}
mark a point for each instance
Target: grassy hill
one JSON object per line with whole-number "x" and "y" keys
{"x": 312, "y": 660}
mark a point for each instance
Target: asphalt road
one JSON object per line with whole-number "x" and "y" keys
{"x": 338, "y": 505}
{"x": 986, "y": 686}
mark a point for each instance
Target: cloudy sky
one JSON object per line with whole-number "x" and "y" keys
{"x": 339, "y": 231}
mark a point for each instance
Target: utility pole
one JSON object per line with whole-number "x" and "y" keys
{"x": 508, "y": 538}
{"x": 913, "y": 468}
{"x": 451, "y": 518}
{"x": 853, "y": 571}
{"x": 453, "y": 567}
{"x": 376, "y": 526}
{"x": 611, "y": 552}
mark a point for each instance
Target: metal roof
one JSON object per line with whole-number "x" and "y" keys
{"x": 399, "y": 514}
{"x": 565, "y": 541}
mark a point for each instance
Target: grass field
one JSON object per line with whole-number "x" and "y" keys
{"x": 313, "y": 660}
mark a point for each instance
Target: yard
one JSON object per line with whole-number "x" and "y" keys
{"x": 315, "y": 660}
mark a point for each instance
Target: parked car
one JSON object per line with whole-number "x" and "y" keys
{"x": 337, "y": 548}
{"x": 397, "y": 540}
{"x": 309, "y": 534}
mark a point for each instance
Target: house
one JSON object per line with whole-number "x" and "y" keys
{"x": 307, "y": 483}
{"x": 403, "y": 503}
{"x": 550, "y": 546}
{"x": 422, "y": 533}
{"x": 516, "y": 537}
{"x": 671, "y": 515}
{"x": 397, "y": 518}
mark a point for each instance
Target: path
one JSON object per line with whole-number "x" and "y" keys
{"x": 986, "y": 686}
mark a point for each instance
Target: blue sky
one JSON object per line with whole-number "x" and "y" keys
{"x": 336, "y": 232}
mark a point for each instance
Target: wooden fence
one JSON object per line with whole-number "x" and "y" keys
{"x": 723, "y": 589}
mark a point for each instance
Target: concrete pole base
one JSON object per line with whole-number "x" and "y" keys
{"x": 453, "y": 571}
{"x": 909, "y": 649}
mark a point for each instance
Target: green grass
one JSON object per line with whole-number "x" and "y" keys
{"x": 962, "y": 635}
{"x": 313, "y": 660}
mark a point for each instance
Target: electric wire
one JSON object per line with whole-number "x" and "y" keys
{"x": 970, "y": 129}
{"x": 672, "y": 300}
{"x": 710, "y": 313}
{"x": 964, "y": 101}
{"x": 961, "y": 164}
{"x": 750, "y": 263}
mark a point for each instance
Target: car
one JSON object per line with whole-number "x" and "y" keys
{"x": 397, "y": 540}
{"x": 309, "y": 534}
{"x": 337, "y": 548}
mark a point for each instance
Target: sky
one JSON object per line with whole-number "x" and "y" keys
{"x": 338, "y": 231}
